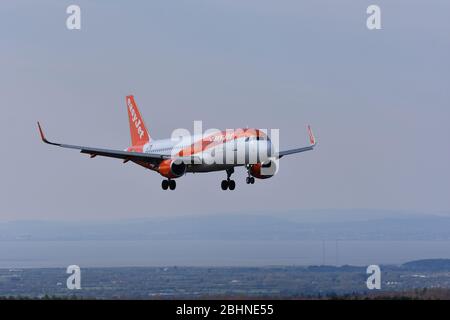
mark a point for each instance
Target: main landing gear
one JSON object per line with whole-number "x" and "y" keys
{"x": 169, "y": 184}
{"x": 228, "y": 184}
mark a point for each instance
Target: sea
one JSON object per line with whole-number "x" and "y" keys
{"x": 147, "y": 253}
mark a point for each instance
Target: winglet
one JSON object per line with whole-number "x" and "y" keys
{"x": 312, "y": 139}
{"x": 43, "y": 136}
{"x": 42, "y": 133}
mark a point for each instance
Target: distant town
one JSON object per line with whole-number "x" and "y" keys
{"x": 415, "y": 280}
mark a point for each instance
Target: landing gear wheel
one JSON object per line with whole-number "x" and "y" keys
{"x": 228, "y": 183}
{"x": 165, "y": 184}
{"x": 224, "y": 184}
{"x": 172, "y": 184}
{"x": 250, "y": 180}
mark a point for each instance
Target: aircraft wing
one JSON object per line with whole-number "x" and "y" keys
{"x": 118, "y": 154}
{"x": 312, "y": 141}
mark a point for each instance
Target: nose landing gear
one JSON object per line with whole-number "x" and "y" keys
{"x": 249, "y": 179}
{"x": 168, "y": 184}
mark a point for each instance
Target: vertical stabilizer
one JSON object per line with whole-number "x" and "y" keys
{"x": 138, "y": 131}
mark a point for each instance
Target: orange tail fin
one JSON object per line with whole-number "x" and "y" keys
{"x": 138, "y": 131}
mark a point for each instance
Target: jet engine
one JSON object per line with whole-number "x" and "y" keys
{"x": 264, "y": 170}
{"x": 172, "y": 168}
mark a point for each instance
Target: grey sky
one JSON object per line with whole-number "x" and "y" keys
{"x": 377, "y": 100}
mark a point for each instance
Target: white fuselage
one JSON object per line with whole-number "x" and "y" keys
{"x": 213, "y": 153}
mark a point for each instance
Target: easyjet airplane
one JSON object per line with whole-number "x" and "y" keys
{"x": 221, "y": 151}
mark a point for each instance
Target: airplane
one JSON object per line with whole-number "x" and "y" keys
{"x": 172, "y": 159}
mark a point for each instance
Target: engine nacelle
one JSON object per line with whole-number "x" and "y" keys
{"x": 172, "y": 168}
{"x": 264, "y": 170}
